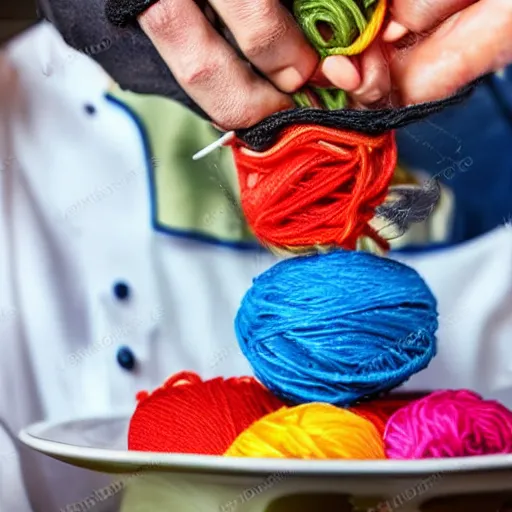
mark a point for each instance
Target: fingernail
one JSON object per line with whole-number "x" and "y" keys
{"x": 289, "y": 79}
{"x": 393, "y": 32}
{"x": 369, "y": 95}
{"x": 341, "y": 72}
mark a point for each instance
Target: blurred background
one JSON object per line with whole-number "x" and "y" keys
{"x": 15, "y": 16}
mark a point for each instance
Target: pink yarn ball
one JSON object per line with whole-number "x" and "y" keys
{"x": 449, "y": 424}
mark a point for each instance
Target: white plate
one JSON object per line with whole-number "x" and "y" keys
{"x": 205, "y": 483}
{"x": 102, "y": 442}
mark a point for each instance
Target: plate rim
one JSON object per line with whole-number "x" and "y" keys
{"x": 176, "y": 462}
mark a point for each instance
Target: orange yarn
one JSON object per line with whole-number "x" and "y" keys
{"x": 310, "y": 431}
{"x": 315, "y": 186}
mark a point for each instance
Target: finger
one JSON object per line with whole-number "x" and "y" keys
{"x": 376, "y": 81}
{"x": 467, "y": 46}
{"x": 424, "y": 15}
{"x": 319, "y": 80}
{"x": 341, "y": 72}
{"x": 393, "y": 32}
{"x": 271, "y": 40}
{"x": 207, "y": 68}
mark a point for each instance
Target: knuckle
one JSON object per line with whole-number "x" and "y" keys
{"x": 236, "y": 118}
{"x": 160, "y": 18}
{"x": 421, "y": 14}
{"x": 265, "y": 39}
{"x": 425, "y": 7}
{"x": 197, "y": 73}
{"x": 232, "y": 120}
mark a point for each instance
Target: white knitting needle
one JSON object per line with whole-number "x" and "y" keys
{"x": 214, "y": 145}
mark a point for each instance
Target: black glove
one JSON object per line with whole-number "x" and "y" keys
{"x": 124, "y": 12}
{"x": 122, "y": 49}
{"x": 120, "y": 46}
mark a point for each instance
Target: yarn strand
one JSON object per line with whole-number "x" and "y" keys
{"x": 315, "y": 187}
{"x": 352, "y": 28}
{"x": 349, "y": 30}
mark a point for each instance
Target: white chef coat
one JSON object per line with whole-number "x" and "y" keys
{"x": 61, "y": 255}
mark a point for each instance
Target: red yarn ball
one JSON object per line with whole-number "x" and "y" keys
{"x": 373, "y": 416}
{"x": 385, "y": 406}
{"x": 315, "y": 186}
{"x": 449, "y": 424}
{"x": 379, "y": 411}
{"x": 189, "y": 415}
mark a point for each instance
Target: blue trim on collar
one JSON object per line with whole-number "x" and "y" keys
{"x": 191, "y": 235}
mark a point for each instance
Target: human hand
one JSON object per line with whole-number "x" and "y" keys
{"x": 431, "y": 48}
{"x": 224, "y": 85}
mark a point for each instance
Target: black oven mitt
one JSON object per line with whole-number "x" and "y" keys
{"x": 107, "y": 31}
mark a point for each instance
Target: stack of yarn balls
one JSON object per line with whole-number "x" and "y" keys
{"x": 329, "y": 331}
{"x": 239, "y": 417}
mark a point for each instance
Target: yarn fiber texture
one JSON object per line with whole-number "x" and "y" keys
{"x": 336, "y": 27}
{"x": 310, "y": 431}
{"x": 189, "y": 415}
{"x": 410, "y": 204}
{"x": 337, "y": 327}
{"x": 374, "y": 416}
{"x": 379, "y": 410}
{"x": 449, "y": 424}
{"x": 353, "y": 25}
{"x": 316, "y": 186}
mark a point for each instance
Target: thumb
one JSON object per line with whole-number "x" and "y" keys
{"x": 468, "y": 45}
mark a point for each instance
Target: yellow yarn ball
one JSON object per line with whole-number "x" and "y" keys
{"x": 310, "y": 431}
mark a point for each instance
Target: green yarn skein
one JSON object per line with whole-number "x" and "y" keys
{"x": 346, "y": 20}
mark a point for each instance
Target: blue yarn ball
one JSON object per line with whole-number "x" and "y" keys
{"x": 337, "y": 327}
